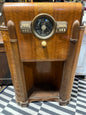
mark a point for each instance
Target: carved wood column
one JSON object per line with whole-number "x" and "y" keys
{"x": 70, "y": 68}
{"x": 15, "y": 64}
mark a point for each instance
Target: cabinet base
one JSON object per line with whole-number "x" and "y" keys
{"x": 22, "y": 104}
{"x": 62, "y": 103}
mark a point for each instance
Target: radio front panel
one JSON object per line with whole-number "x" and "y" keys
{"x": 43, "y": 32}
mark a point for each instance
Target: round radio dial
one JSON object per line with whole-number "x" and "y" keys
{"x": 43, "y": 26}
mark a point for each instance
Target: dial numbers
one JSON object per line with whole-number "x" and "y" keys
{"x": 43, "y": 26}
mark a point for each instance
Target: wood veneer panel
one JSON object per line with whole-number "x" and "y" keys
{"x": 1, "y": 40}
{"x": 29, "y": 46}
{"x": 40, "y": 65}
{"x": 39, "y": 95}
{"x": 43, "y": 73}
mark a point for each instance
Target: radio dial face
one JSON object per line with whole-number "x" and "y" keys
{"x": 43, "y": 26}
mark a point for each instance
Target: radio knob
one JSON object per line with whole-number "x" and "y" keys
{"x": 44, "y": 43}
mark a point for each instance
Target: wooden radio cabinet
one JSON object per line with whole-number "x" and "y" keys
{"x": 42, "y": 42}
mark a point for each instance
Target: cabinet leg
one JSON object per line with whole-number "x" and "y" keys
{"x": 69, "y": 70}
{"x": 15, "y": 64}
{"x": 22, "y": 104}
{"x": 64, "y": 102}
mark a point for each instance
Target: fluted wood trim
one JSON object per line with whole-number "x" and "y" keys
{"x": 70, "y": 68}
{"x": 15, "y": 64}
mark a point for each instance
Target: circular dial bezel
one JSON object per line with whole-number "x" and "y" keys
{"x": 40, "y": 16}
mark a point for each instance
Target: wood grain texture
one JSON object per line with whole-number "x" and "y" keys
{"x": 1, "y": 40}
{"x": 75, "y": 31}
{"x": 39, "y": 95}
{"x": 15, "y": 64}
{"x": 54, "y": 65}
{"x": 70, "y": 68}
{"x": 37, "y": 73}
{"x": 5, "y": 77}
{"x": 29, "y": 46}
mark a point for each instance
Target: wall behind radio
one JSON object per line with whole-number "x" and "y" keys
{"x": 81, "y": 67}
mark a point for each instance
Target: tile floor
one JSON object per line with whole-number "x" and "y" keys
{"x": 77, "y": 105}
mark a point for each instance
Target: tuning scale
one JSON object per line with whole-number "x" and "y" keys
{"x": 43, "y": 26}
